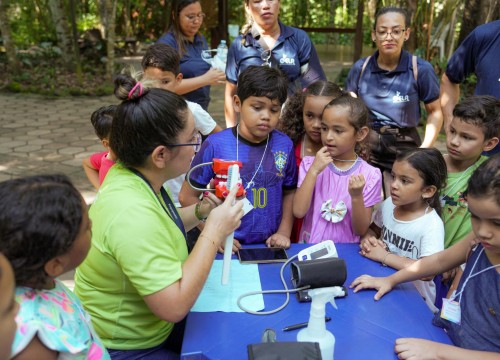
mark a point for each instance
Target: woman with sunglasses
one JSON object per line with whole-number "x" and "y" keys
{"x": 266, "y": 41}
{"x": 184, "y": 36}
{"x": 392, "y": 83}
{"x": 138, "y": 281}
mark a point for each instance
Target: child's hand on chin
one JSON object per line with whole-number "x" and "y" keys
{"x": 321, "y": 160}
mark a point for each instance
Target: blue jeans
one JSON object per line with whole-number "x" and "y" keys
{"x": 168, "y": 350}
{"x": 156, "y": 353}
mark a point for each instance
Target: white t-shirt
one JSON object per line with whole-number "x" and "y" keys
{"x": 412, "y": 239}
{"x": 204, "y": 123}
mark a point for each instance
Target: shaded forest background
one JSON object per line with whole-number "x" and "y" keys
{"x": 61, "y": 47}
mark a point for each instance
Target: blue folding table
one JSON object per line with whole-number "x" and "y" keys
{"x": 363, "y": 328}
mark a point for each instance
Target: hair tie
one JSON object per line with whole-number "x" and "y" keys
{"x": 131, "y": 92}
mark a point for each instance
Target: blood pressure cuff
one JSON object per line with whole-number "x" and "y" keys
{"x": 319, "y": 273}
{"x": 284, "y": 351}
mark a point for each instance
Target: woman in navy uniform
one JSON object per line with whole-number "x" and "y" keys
{"x": 184, "y": 36}
{"x": 266, "y": 41}
{"x": 392, "y": 83}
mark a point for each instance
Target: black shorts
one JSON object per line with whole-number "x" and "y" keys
{"x": 386, "y": 141}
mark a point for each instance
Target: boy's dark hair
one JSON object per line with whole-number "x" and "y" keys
{"x": 40, "y": 217}
{"x": 163, "y": 57}
{"x": 262, "y": 81}
{"x": 392, "y": 9}
{"x": 101, "y": 120}
{"x": 292, "y": 117}
{"x": 145, "y": 119}
{"x": 485, "y": 180}
{"x": 431, "y": 166}
{"x": 482, "y": 111}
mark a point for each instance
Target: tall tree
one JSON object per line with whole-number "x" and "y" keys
{"x": 10, "y": 49}
{"x": 63, "y": 33}
{"x": 110, "y": 36}
{"x": 477, "y": 12}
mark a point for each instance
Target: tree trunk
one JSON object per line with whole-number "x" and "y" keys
{"x": 74, "y": 32}
{"x": 358, "y": 38}
{"x": 12, "y": 59}
{"x": 490, "y": 9}
{"x": 110, "y": 37}
{"x": 412, "y": 43}
{"x": 470, "y": 19}
{"x": 127, "y": 24}
{"x": 63, "y": 33}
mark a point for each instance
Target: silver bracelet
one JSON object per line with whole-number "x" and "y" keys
{"x": 385, "y": 257}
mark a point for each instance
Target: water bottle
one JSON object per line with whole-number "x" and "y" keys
{"x": 221, "y": 57}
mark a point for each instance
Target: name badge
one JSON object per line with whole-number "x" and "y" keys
{"x": 451, "y": 311}
{"x": 247, "y": 206}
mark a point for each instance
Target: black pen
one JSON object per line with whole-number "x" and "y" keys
{"x": 301, "y": 325}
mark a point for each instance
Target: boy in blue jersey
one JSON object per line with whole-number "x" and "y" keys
{"x": 269, "y": 172}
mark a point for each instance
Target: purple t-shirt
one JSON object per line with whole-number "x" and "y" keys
{"x": 333, "y": 185}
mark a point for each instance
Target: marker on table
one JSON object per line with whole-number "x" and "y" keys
{"x": 301, "y": 325}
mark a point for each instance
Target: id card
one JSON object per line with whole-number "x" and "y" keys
{"x": 247, "y": 206}
{"x": 451, "y": 311}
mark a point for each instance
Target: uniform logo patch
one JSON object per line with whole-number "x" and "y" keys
{"x": 398, "y": 98}
{"x": 280, "y": 158}
{"x": 285, "y": 60}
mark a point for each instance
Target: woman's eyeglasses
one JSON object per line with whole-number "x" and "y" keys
{"x": 196, "y": 17}
{"x": 196, "y": 144}
{"x": 265, "y": 56}
{"x": 395, "y": 34}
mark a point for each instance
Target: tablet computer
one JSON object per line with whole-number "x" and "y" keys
{"x": 262, "y": 255}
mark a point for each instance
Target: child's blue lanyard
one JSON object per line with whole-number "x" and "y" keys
{"x": 171, "y": 211}
{"x": 471, "y": 275}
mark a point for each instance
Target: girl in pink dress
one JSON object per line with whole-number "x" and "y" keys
{"x": 337, "y": 189}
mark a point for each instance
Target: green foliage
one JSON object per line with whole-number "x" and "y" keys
{"x": 87, "y": 22}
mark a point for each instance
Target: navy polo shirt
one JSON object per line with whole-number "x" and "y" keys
{"x": 479, "y": 53}
{"x": 393, "y": 97}
{"x": 192, "y": 65}
{"x": 293, "y": 53}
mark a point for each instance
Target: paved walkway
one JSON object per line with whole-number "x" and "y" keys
{"x": 40, "y": 135}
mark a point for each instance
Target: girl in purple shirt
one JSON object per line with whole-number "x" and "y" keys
{"x": 337, "y": 189}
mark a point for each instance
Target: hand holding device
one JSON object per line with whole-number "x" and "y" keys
{"x": 221, "y": 169}
{"x": 233, "y": 178}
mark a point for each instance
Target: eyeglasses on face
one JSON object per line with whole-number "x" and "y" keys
{"x": 196, "y": 143}
{"x": 395, "y": 34}
{"x": 195, "y": 17}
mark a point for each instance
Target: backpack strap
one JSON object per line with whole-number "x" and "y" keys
{"x": 415, "y": 67}
{"x": 363, "y": 69}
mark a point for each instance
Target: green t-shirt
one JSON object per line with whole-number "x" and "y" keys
{"x": 136, "y": 250}
{"x": 455, "y": 214}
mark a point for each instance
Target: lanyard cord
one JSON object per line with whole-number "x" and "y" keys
{"x": 471, "y": 275}
{"x": 171, "y": 211}
{"x": 250, "y": 183}
{"x": 456, "y": 182}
